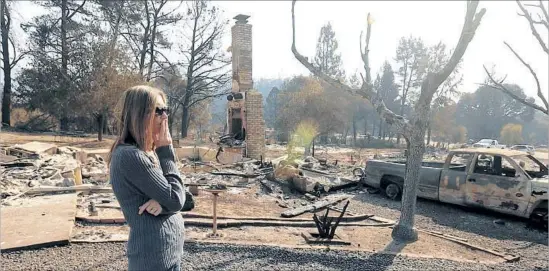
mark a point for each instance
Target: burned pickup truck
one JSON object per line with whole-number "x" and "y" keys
{"x": 504, "y": 181}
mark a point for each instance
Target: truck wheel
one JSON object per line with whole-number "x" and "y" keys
{"x": 393, "y": 191}
{"x": 539, "y": 217}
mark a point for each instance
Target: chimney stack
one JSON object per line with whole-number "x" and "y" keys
{"x": 242, "y": 54}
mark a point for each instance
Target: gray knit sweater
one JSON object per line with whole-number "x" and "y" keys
{"x": 155, "y": 242}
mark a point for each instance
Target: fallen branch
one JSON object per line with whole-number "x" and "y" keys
{"x": 506, "y": 257}
{"x": 16, "y": 164}
{"x": 443, "y": 235}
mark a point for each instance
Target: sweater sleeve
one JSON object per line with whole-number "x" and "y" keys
{"x": 163, "y": 185}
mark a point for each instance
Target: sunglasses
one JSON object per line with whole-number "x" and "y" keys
{"x": 160, "y": 111}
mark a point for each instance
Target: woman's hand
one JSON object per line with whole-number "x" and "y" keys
{"x": 152, "y": 207}
{"x": 163, "y": 138}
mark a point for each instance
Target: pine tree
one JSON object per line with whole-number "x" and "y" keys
{"x": 327, "y": 59}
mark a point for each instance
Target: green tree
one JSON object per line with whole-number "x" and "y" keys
{"x": 272, "y": 107}
{"x": 327, "y": 59}
{"x": 412, "y": 58}
{"x": 511, "y": 134}
{"x": 486, "y": 111}
{"x": 61, "y": 49}
{"x": 306, "y": 99}
{"x": 438, "y": 55}
{"x": 459, "y": 134}
{"x": 386, "y": 89}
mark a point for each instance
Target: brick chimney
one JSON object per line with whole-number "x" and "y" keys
{"x": 245, "y": 114}
{"x": 242, "y": 54}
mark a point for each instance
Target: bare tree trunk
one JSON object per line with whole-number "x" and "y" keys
{"x": 354, "y": 131}
{"x": 345, "y": 134}
{"x": 380, "y": 128}
{"x": 100, "y": 125}
{"x": 429, "y": 133}
{"x": 402, "y": 114}
{"x": 63, "y": 121}
{"x": 144, "y": 41}
{"x": 185, "y": 118}
{"x": 170, "y": 125}
{"x": 105, "y": 122}
{"x": 64, "y": 124}
{"x": 374, "y": 129}
{"x": 190, "y": 81}
{"x": 6, "y": 98}
{"x": 174, "y": 108}
{"x": 366, "y": 125}
{"x": 151, "y": 50}
{"x": 64, "y": 50}
{"x": 415, "y": 146}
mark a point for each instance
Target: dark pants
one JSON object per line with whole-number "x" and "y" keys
{"x": 176, "y": 267}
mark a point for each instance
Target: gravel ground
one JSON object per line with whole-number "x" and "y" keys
{"x": 110, "y": 256}
{"x": 476, "y": 226}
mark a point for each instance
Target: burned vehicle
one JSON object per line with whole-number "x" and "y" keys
{"x": 505, "y": 181}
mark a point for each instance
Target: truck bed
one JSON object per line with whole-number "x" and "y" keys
{"x": 430, "y": 164}
{"x": 430, "y": 172}
{"x": 434, "y": 164}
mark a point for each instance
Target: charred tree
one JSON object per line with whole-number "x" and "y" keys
{"x": 206, "y": 75}
{"x": 499, "y": 83}
{"x": 9, "y": 60}
{"x": 413, "y": 130}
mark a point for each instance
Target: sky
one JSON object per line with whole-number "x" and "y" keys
{"x": 433, "y": 21}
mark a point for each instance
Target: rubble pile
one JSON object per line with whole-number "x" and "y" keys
{"x": 24, "y": 168}
{"x": 22, "y": 174}
{"x": 314, "y": 176}
{"x": 435, "y": 154}
{"x": 238, "y": 174}
{"x": 95, "y": 170}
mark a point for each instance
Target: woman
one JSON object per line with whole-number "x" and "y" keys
{"x": 146, "y": 182}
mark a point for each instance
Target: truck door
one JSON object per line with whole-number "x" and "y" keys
{"x": 495, "y": 183}
{"x": 453, "y": 176}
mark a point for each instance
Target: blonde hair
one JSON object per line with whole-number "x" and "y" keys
{"x": 136, "y": 117}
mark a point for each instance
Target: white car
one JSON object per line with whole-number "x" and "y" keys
{"x": 488, "y": 143}
{"x": 524, "y": 148}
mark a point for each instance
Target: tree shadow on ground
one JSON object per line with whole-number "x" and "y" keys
{"x": 472, "y": 220}
{"x": 391, "y": 250}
